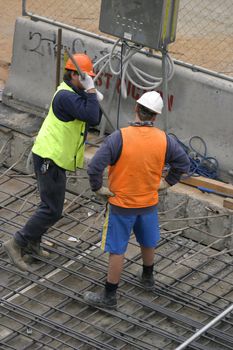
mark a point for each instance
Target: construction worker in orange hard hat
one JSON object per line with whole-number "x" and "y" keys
{"x": 83, "y": 62}
{"x": 59, "y": 146}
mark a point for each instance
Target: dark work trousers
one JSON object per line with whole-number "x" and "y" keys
{"x": 51, "y": 186}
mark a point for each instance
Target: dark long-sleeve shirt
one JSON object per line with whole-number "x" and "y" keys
{"x": 110, "y": 151}
{"x": 68, "y": 106}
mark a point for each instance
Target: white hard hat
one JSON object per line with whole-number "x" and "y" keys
{"x": 151, "y": 100}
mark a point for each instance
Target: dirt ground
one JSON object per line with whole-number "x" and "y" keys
{"x": 9, "y": 10}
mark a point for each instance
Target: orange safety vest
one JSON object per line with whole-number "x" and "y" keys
{"x": 135, "y": 177}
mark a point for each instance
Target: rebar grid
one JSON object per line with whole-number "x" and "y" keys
{"x": 45, "y": 310}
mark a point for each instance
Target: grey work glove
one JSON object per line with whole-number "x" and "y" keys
{"x": 99, "y": 95}
{"x": 104, "y": 192}
{"x": 163, "y": 185}
{"x": 87, "y": 82}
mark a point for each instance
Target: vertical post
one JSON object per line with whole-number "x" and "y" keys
{"x": 58, "y": 65}
{"x": 165, "y": 87}
{"x": 24, "y": 12}
{"x": 123, "y": 50}
{"x": 110, "y": 99}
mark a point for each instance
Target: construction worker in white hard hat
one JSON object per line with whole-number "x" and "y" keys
{"x": 59, "y": 146}
{"x": 136, "y": 156}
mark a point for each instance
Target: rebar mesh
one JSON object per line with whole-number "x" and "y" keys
{"x": 44, "y": 309}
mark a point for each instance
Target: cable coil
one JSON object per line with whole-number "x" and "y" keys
{"x": 127, "y": 68}
{"x": 200, "y": 163}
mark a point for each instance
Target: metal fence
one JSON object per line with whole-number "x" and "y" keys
{"x": 204, "y": 33}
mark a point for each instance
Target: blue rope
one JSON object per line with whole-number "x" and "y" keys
{"x": 200, "y": 163}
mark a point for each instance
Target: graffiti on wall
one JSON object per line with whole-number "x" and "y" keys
{"x": 44, "y": 45}
{"x": 106, "y": 79}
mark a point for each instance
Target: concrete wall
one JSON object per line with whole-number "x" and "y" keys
{"x": 180, "y": 207}
{"x": 199, "y": 104}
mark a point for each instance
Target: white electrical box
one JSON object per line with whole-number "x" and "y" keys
{"x": 151, "y": 23}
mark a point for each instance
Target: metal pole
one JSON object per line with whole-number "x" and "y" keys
{"x": 205, "y": 328}
{"x": 24, "y": 12}
{"x": 110, "y": 99}
{"x": 83, "y": 76}
{"x": 165, "y": 88}
{"x": 80, "y": 72}
{"x": 58, "y": 66}
{"x": 107, "y": 118}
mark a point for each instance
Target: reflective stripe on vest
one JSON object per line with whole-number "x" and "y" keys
{"x": 63, "y": 142}
{"x": 135, "y": 177}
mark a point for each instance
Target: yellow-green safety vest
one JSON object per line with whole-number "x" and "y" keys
{"x": 63, "y": 142}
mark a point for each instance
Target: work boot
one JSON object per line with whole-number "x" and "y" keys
{"x": 147, "y": 281}
{"x": 34, "y": 247}
{"x": 14, "y": 251}
{"x": 28, "y": 259}
{"x": 103, "y": 299}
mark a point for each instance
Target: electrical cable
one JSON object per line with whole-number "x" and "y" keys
{"x": 127, "y": 68}
{"x": 144, "y": 81}
{"x": 200, "y": 163}
{"x": 119, "y": 98}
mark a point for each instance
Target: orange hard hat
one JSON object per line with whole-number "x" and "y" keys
{"x": 84, "y": 63}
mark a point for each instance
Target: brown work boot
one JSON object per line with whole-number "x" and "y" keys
{"x": 34, "y": 247}
{"x": 14, "y": 251}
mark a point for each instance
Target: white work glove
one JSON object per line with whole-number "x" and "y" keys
{"x": 104, "y": 192}
{"x": 99, "y": 95}
{"x": 87, "y": 82}
{"x": 163, "y": 185}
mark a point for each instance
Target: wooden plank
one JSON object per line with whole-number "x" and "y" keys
{"x": 228, "y": 203}
{"x": 209, "y": 183}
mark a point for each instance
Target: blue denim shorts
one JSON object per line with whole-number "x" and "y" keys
{"x": 117, "y": 229}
